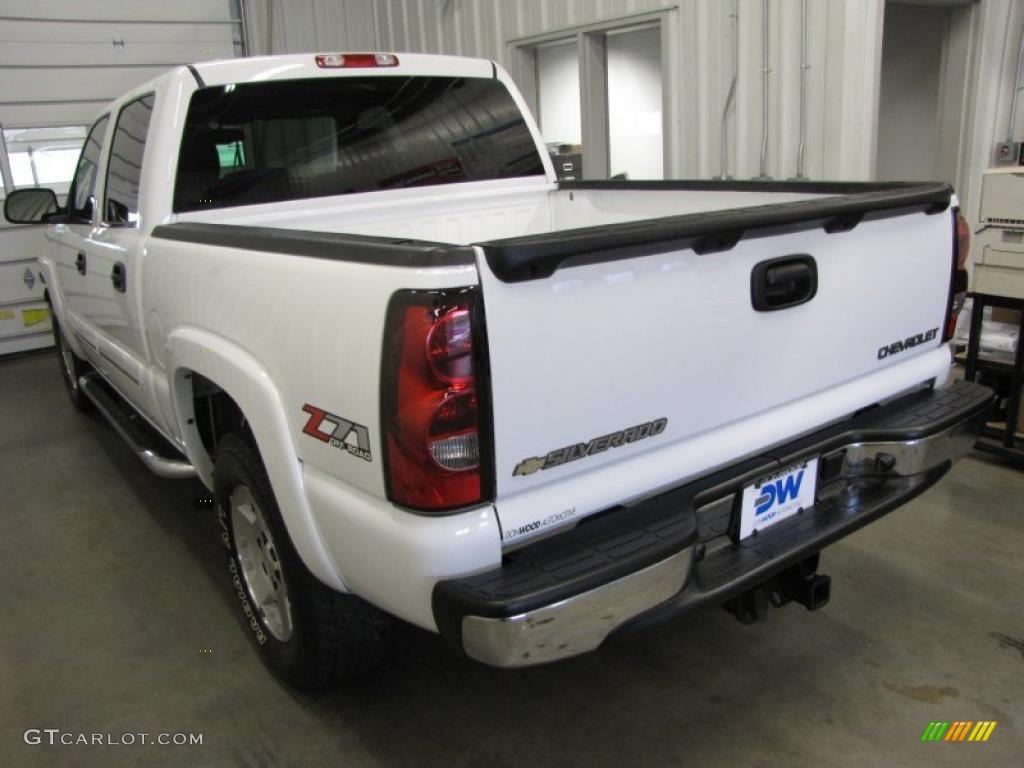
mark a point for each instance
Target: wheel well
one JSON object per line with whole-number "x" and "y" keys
{"x": 216, "y": 413}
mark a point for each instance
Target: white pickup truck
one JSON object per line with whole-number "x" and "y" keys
{"x": 425, "y": 380}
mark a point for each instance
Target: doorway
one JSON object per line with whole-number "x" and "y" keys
{"x": 599, "y": 95}
{"x": 921, "y": 95}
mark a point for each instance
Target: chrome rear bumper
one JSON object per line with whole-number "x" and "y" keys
{"x": 518, "y": 616}
{"x": 574, "y": 625}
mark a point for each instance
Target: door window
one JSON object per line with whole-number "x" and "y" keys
{"x": 124, "y": 168}
{"x": 84, "y": 184}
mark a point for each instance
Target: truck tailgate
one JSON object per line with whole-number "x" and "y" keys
{"x": 618, "y": 374}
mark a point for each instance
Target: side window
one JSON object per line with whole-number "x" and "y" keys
{"x": 83, "y": 185}
{"x": 124, "y": 168}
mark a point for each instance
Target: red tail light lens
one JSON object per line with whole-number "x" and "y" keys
{"x": 963, "y": 240}
{"x": 430, "y": 401}
{"x": 450, "y": 348}
{"x": 355, "y": 60}
{"x": 958, "y": 278}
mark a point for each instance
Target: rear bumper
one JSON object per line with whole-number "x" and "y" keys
{"x": 634, "y": 566}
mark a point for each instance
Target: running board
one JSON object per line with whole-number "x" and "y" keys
{"x": 151, "y": 447}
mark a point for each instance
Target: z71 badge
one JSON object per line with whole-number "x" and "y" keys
{"x": 560, "y": 456}
{"x": 338, "y": 432}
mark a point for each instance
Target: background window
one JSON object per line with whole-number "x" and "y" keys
{"x": 124, "y": 169}
{"x": 44, "y": 157}
{"x": 231, "y": 155}
{"x": 84, "y": 183}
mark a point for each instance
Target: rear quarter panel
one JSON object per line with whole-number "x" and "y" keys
{"x": 315, "y": 327}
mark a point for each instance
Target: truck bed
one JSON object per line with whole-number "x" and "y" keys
{"x": 614, "y": 305}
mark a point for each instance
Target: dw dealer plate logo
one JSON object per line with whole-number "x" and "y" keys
{"x": 777, "y": 497}
{"x": 338, "y": 432}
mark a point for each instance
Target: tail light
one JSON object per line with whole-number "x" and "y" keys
{"x": 958, "y": 278}
{"x": 355, "y": 60}
{"x": 963, "y": 240}
{"x": 433, "y": 401}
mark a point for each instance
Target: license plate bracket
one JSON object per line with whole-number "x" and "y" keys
{"x": 777, "y": 497}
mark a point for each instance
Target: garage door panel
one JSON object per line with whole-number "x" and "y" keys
{"x": 78, "y": 32}
{"x": 60, "y": 83}
{"x": 20, "y": 282}
{"x": 16, "y": 55}
{"x": 18, "y": 243}
{"x": 90, "y": 10}
{"x": 24, "y": 318}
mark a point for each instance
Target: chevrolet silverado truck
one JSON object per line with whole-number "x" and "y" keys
{"x": 424, "y": 380}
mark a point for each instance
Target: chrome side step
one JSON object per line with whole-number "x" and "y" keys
{"x": 155, "y": 452}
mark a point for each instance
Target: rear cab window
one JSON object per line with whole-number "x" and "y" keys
{"x": 286, "y": 140}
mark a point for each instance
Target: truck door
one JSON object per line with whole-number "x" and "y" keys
{"x": 75, "y": 257}
{"x": 115, "y": 244}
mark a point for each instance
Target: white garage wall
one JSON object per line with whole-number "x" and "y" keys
{"x": 63, "y": 60}
{"x": 845, "y": 49}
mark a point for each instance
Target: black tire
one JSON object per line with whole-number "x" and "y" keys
{"x": 72, "y": 367}
{"x": 333, "y": 636}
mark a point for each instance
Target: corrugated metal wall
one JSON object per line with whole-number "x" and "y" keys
{"x": 296, "y": 26}
{"x": 844, "y": 53}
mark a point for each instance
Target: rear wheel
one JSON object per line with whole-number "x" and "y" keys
{"x": 72, "y": 368}
{"x": 307, "y": 633}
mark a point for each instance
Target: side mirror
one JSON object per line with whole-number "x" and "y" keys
{"x": 32, "y": 205}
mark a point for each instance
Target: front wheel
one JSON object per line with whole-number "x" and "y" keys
{"x": 72, "y": 368}
{"x": 307, "y": 633}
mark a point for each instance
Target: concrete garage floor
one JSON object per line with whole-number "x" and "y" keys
{"x": 113, "y": 585}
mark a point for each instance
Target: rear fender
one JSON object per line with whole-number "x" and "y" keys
{"x": 249, "y": 384}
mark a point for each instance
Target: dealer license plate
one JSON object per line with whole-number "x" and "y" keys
{"x": 774, "y": 498}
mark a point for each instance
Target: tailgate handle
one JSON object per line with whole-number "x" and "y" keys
{"x": 784, "y": 282}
